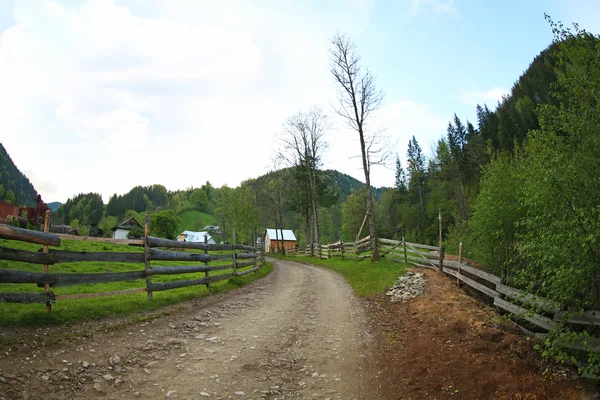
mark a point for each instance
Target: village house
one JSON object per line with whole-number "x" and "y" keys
{"x": 274, "y": 241}
{"x": 196, "y": 237}
{"x": 122, "y": 230}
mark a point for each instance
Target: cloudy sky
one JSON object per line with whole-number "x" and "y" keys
{"x": 104, "y": 95}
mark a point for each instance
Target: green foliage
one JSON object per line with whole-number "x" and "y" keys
{"x": 10, "y": 197}
{"x": 238, "y": 207}
{"x": 139, "y": 199}
{"x": 15, "y": 187}
{"x": 164, "y": 224}
{"x": 495, "y": 223}
{"x": 353, "y": 213}
{"x": 199, "y": 200}
{"x": 87, "y": 209}
{"x": 136, "y": 233}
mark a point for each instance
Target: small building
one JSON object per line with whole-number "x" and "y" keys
{"x": 121, "y": 231}
{"x": 196, "y": 237}
{"x": 274, "y": 241}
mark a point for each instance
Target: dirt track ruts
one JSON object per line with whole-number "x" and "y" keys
{"x": 297, "y": 333}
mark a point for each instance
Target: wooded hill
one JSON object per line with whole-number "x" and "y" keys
{"x": 15, "y": 187}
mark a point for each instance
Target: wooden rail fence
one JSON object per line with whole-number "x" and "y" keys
{"x": 244, "y": 260}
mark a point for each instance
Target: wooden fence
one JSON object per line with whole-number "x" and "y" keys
{"x": 244, "y": 260}
{"x": 515, "y": 301}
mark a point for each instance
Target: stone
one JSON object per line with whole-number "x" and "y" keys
{"x": 171, "y": 393}
{"x": 204, "y": 394}
{"x": 108, "y": 377}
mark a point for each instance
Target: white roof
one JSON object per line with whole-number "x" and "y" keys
{"x": 287, "y": 234}
{"x": 195, "y": 236}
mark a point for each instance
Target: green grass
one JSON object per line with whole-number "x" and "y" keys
{"x": 365, "y": 276}
{"x": 193, "y": 220}
{"x": 71, "y": 311}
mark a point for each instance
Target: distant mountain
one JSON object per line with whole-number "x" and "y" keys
{"x": 54, "y": 205}
{"x": 14, "y": 186}
{"x": 341, "y": 184}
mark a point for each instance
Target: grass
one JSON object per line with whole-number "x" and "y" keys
{"x": 193, "y": 220}
{"x": 76, "y": 310}
{"x": 365, "y": 276}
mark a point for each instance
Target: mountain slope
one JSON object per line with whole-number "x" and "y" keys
{"x": 15, "y": 187}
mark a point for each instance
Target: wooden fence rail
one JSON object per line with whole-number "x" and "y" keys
{"x": 242, "y": 257}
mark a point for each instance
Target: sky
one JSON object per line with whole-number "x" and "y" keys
{"x": 104, "y": 95}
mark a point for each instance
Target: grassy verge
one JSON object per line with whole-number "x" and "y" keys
{"x": 76, "y": 310}
{"x": 365, "y": 277}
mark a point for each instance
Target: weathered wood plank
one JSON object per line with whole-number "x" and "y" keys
{"x": 100, "y": 239}
{"x": 12, "y": 276}
{"x": 523, "y": 297}
{"x": 7, "y": 253}
{"x": 474, "y": 271}
{"x": 165, "y": 255}
{"x": 539, "y": 320}
{"x": 591, "y": 317}
{"x": 421, "y": 254}
{"x": 61, "y": 256}
{"x": 478, "y": 286}
{"x": 160, "y": 242}
{"x": 27, "y": 235}
{"x": 157, "y": 287}
{"x": 450, "y": 272}
{"x": 423, "y": 246}
{"x": 426, "y": 266}
{"x": 100, "y": 294}
{"x": 390, "y": 241}
{"x": 33, "y": 297}
{"x": 363, "y": 240}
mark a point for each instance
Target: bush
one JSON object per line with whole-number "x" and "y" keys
{"x": 136, "y": 233}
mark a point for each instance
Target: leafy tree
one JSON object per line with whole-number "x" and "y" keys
{"x": 165, "y": 224}
{"x": 417, "y": 175}
{"x": 10, "y": 197}
{"x": 352, "y": 215}
{"x": 106, "y": 224}
{"x": 199, "y": 200}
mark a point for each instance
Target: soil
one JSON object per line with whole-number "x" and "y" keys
{"x": 297, "y": 333}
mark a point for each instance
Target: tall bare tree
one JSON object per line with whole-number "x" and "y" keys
{"x": 303, "y": 139}
{"x": 358, "y": 99}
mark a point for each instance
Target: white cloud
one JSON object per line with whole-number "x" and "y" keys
{"x": 490, "y": 97}
{"x": 439, "y": 7}
{"x": 101, "y": 97}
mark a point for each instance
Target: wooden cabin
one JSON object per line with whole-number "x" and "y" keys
{"x": 273, "y": 240}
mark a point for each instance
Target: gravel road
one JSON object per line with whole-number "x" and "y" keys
{"x": 297, "y": 333}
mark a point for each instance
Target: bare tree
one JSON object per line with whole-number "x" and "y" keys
{"x": 303, "y": 140}
{"x": 358, "y": 99}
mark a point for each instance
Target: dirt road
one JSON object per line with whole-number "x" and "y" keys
{"x": 298, "y": 333}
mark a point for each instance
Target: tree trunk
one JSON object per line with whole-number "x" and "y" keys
{"x": 370, "y": 219}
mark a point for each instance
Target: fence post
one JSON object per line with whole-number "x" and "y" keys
{"x": 342, "y": 244}
{"x": 206, "y": 273}
{"x": 233, "y": 254}
{"x": 441, "y": 243}
{"x": 404, "y": 245}
{"x": 328, "y": 251}
{"x": 45, "y": 250}
{"x": 146, "y": 256}
{"x": 460, "y": 252}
